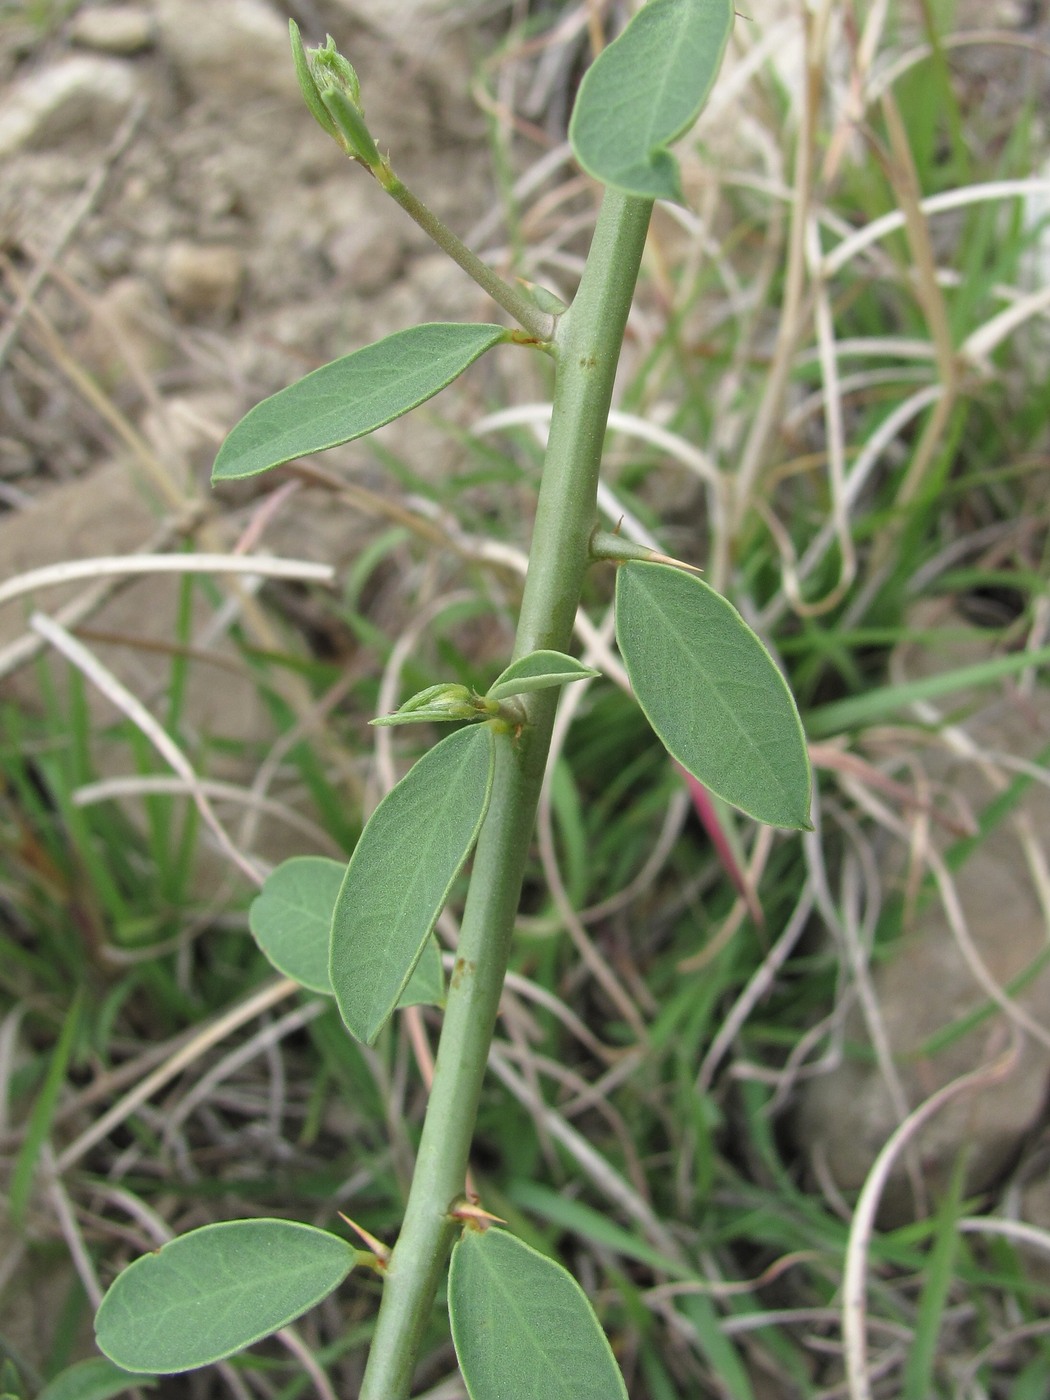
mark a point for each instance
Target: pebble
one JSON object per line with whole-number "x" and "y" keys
{"x": 238, "y": 48}
{"x": 188, "y": 428}
{"x": 363, "y": 240}
{"x": 926, "y": 984}
{"x": 129, "y": 326}
{"x": 78, "y": 99}
{"x": 202, "y": 279}
{"x": 117, "y": 29}
{"x": 414, "y": 27}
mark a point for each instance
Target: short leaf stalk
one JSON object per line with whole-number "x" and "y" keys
{"x": 588, "y": 340}
{"x": 364, "y": 934}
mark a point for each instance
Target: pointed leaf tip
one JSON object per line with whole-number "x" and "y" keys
{"x": 713, "y": 693}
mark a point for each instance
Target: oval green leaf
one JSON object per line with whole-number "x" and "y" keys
{"x": 713, "y": 693}
{"x": 95, "y": 1379}
{"x": 215, "y": 1291}
{"x": 352, "y": 396}
{"x": 523, "y": 1327}
{"x": 399, "y": 877}
{"x": 645, "y": 90}
{"x": 291, "y": 918}
{"x": 540, "y": 670}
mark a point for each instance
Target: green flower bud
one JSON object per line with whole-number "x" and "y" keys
{"x": 438, "y": 704}
{"x": 445, "y": 697}
{"x": 331, "y": 90}
{"x": 332, "y": 69}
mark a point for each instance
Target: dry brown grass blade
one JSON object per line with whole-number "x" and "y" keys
{"x": 854, "y": 1285}
{"x": 900, "y": 167}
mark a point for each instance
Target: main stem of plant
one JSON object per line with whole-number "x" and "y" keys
{"x": 587, "y": 345}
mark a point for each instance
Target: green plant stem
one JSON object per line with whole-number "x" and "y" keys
{"x": 515, "y": 302}
{"x": 588, "y": 339}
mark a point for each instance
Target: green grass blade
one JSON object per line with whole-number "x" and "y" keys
{"x": 591, "y": 1224}
{"x": 879, "y": 705}
{"x": 940, "y": 1274}
{"x": 720, "y": 1351}
{"x": 42, "y": 1113}
{"x": 95, "y": 1379}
